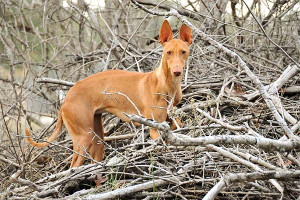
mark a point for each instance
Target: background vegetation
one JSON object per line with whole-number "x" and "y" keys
{"x": 70, "y": 40}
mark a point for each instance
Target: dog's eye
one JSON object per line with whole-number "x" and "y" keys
{"x": 183, "y": 52}
{"x": 169, "y": 52}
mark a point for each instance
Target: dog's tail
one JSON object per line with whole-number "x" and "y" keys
{"x": 51, "y": 138}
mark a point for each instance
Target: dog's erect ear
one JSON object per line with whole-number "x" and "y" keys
{"x": 166, "y": 33}
{"x": 185, "y": 34}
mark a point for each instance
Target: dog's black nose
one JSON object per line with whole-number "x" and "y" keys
{"x": 177, "y": 73}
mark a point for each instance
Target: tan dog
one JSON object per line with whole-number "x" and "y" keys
{"x": 88, "y": 99}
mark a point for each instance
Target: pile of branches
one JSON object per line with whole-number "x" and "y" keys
{"x": 240, "y": 113}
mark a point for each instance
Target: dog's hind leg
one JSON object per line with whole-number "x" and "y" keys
{"x": 97, "y": 148}
{"x": 79, "y": 127}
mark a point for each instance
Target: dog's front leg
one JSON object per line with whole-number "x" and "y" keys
{"x": 154, "y": 134}
{"x": 173, "y": 124}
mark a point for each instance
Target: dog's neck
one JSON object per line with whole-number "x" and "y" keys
{"x": 167, "y": 83}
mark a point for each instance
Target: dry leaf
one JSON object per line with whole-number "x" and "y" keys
{"x": 237, "y": 90}
{"x": 41, "y": 160}
{"x": 100, "y": 179}
{"x": 286, "y": 163}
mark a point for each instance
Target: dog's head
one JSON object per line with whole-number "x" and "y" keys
{"x": 176, "y": 51}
